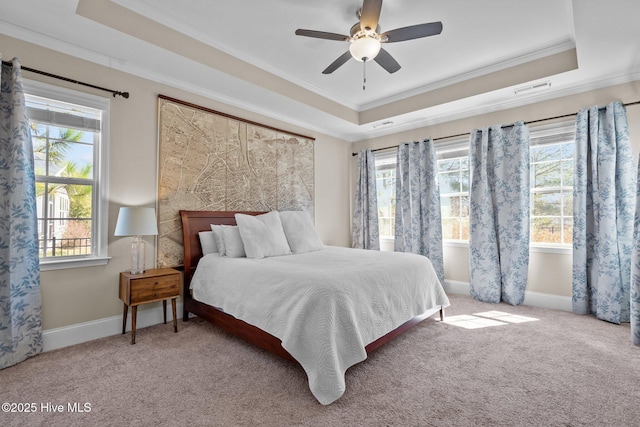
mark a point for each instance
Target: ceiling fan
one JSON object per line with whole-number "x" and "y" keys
{"x": 365, "y": 38}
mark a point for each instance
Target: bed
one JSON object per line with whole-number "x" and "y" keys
{"x": 248, "y": 320}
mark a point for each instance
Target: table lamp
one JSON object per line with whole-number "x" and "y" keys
{"x": 137, "y": 222}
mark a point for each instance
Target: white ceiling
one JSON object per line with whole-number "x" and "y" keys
{"x": 191, "y": 44}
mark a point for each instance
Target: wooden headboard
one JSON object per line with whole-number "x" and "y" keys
{"x": 192, "y": 223}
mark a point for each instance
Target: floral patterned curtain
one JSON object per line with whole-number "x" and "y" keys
{"x": 365, "y": 232}
{"x": 499, "y": 213}
{"x": 634, "y": 291}
{"x": 603, "y": 209}
{"x": 418, "y": 226}
{"x": 20, "y": 318}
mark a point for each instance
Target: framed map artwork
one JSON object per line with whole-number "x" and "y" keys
{"x": 212, "y": 161}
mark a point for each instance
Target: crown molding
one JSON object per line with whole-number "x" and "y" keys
{"x": 477, "y": 110}
{"x": 360, "y": 132}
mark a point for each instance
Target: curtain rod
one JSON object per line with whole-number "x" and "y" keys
{"x": 505, "y": 126}
{"x": 66, "y": 79}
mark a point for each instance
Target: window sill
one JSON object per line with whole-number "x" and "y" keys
{"x": 62, "y": 264}
{"x": 456, "y": 243}
{"x": 539, "y": 248}
{"x": 551, "y": 249}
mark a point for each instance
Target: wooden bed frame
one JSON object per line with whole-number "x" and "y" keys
{"x": 195, "y": 221}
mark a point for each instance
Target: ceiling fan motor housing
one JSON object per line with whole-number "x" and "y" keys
{"x": 356, "y": 29}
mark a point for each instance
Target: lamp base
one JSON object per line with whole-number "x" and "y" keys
{"x": 138, "y": 252}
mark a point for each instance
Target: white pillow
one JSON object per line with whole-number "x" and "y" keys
{"x": 262, "y": 235}
{"x": 208, "y": 242}
{"x": 300, "y": 232}
{"x": 219, "y": 238}
{"x": 233, "y": 247}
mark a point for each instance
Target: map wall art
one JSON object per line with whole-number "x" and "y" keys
{"x": 212, "y": 161}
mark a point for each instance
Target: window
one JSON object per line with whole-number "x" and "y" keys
{"x": 453, "y": 175}
{"x": 551, "y": 186}
{"x": 68, "y": 130}
{"x": 453, "y": 178}
{"x": 551, "y": 182}
{"x": 386, "y": 188}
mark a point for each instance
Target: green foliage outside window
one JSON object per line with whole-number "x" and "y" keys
{"x": 64, "y": 189}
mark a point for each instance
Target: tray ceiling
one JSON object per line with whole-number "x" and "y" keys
{"x": 246, "y": 53}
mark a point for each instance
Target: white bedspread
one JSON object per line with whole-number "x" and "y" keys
{"x": 324, "y": 306}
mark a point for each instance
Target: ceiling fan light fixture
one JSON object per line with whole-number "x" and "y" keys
{"x": 364, "y": 48}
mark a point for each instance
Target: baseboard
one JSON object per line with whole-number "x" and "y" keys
{"x": 53, "y": 339}
{"x": 456, "y": 287}
{"x": 533, "y": 299}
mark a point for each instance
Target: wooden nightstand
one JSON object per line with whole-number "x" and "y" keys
{"x": 159, "y": 284}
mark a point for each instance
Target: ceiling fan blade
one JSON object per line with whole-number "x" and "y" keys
{"x": 370, "y": 14}
{"x": 322, "y": 35}
{"x": 412, "y": 32}
{"x": 337, "y": 63}
{"x": 387, "y": 62}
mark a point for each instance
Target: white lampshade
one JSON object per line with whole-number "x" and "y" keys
{"x": 136, "y": 222}
{"x": 364, "y": 47}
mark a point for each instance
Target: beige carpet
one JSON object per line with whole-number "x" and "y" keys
{"x": 560, "y": 370}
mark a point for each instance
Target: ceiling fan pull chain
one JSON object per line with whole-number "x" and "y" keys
{"x": 364, "y": 73}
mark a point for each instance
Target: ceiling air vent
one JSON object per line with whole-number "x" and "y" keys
{"x": 383, "y": 124}
{"x": 525, "y": 90}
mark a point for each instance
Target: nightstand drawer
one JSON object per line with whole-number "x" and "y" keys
{"x": 154, "y": 288}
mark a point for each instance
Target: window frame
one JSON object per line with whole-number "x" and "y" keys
{"x": 455, "y": 148}
{"x": 386, "y": 157}
{"x": 100, "y": 191}
{"x": 554, "y": 131}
